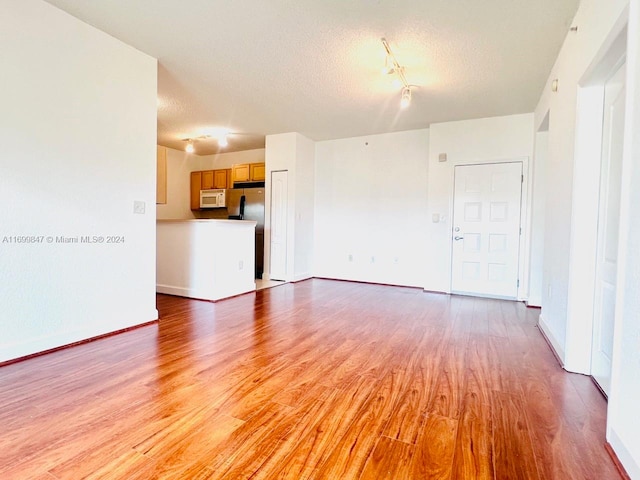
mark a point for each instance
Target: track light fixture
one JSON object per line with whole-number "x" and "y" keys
{"x": 220, "y": 136}
{"x": 392, "y": 66}
{"x": 222, "y": 141}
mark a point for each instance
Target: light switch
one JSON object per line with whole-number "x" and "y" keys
{"x": 138, "y": 207}
{"x": 435, "y": 218}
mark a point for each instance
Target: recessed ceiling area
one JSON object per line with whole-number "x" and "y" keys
{"x": 261, "y": 67}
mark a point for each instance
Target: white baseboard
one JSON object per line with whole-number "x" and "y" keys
{"x": 36, "y": 345}
{"x": 182, "y": 292}
{"x": 302, "y": 276}
{"x": 553, "y": 341}
{"x": 626, "y": 459}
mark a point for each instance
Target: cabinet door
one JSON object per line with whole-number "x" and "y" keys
{"x": 207, "y": 180}
{"x": 240, "y": 173}
{"x": 161, "y": 174}
{"x": 257, "y": 172}
{"x": 220, "y": 179}
{"x": 196, "y": 182}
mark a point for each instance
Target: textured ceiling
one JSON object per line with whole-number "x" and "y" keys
{"x": 262, "y": 67}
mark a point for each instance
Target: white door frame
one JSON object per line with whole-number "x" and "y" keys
{"x": 584, "y": 212}
{"x": 600, "y": 369}
{"x": 523, "y": 263}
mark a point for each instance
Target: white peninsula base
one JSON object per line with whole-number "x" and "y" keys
{"x": 205, "y": 259}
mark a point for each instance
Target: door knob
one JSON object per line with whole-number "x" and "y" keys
{"x": 457, "y": 238}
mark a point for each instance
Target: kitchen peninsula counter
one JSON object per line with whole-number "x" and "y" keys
{"x": 205, "y": 259}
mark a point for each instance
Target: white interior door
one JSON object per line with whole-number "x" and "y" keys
{"x": 486, "y": 229}
{"x": 279, "y": 203}
{"x": 608, "y": 226}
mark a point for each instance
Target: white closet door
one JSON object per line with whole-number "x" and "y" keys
{"x": 279, "y": 203}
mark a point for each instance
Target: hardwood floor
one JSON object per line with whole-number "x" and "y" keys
{"x": 320, "y": 379}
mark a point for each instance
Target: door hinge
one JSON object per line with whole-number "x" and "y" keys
{"x": 522, "y": 178}
{"x": 518, "y": 283}
{"x": 520, "y": 231}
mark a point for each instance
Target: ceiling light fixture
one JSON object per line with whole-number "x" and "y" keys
{"x": 391, "y": 65}
{"x": 220, "y": 135}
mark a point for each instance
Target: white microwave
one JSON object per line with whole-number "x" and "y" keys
{"x": 213, "y": 198}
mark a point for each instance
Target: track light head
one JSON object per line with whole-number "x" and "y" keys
{"x": 405, "y": 99}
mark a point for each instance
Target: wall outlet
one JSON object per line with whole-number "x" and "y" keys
{"x": 373, "y": 259}
{"x": 396, "y": 260}
{"x": 350, "y": 258}
{"x": 240, "y": 265}
{"x": 138, "y": 207}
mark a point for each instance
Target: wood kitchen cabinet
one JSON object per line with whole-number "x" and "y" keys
{"x": 257, "y": 172}
{"x": 248, "y": 172}
{"x": 240, "y": 173}
{"x": 161, "y": 174}
{"x": 196, "y": 185}
{"x": 220, "y": 178}
{"x": 207, "y": 180}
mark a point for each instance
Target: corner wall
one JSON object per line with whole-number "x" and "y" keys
{"x": 371, "y": 203}
{"x": 595, "y": 20}
{"x": 295, "y": 154}
{"x": 78, "y": 130}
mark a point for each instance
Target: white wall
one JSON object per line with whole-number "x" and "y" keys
{"x": 571, "y": 211}
{"x": 280, "y": 155}
{"x": 465, "y": 142}
{"x": 623, "y": 430}
{"x": 371, "y": 204}
{"x": 305, "y": 208}
{"x": 78, "y": 132}
{"x": 295, "y": 154}
{"x": 595, "y": 20}
{"x": 208, "y": 260}
{"x": 538, "y": 196}
{"x": 179, "y": 167}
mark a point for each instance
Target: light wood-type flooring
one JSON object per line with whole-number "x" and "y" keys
{"x": 319, "y": 379}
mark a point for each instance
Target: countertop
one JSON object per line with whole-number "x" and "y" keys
{"x": 211, "y": 220}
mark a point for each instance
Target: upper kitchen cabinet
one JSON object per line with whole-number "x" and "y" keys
{"x": 221, "y": 178}
{"x": 207, "y": 180}
{"x": 161, "y": 174}
{"x": 248, "y": 172}
{"x": 257, "y": 172}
